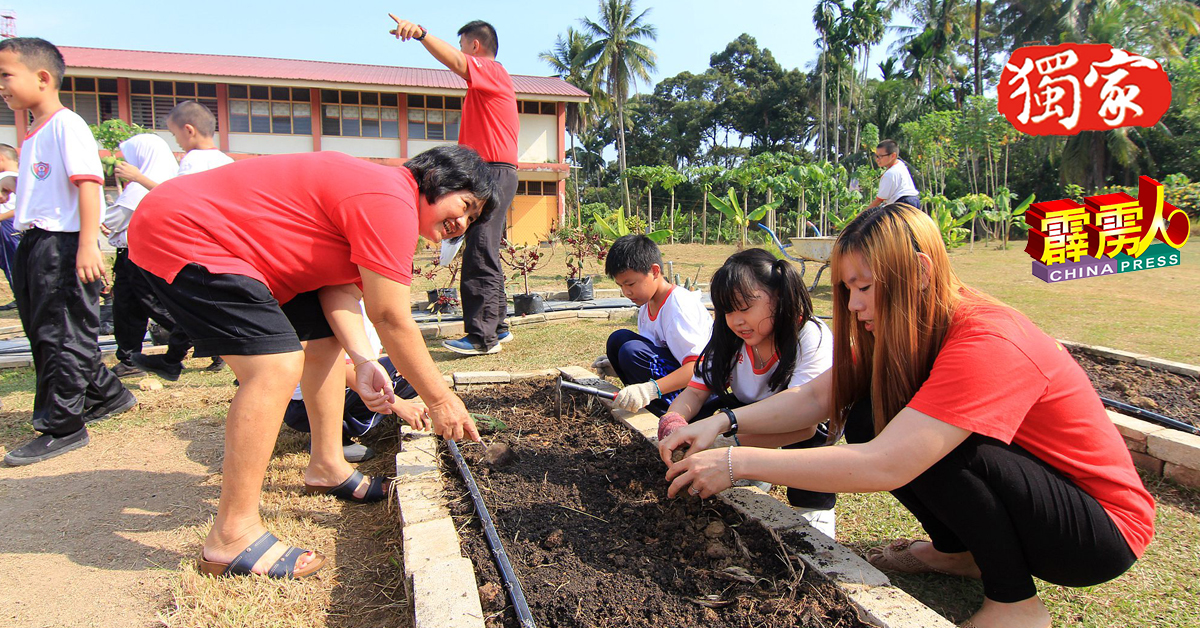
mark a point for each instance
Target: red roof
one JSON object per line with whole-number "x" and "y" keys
{"x": 292, "y": 69}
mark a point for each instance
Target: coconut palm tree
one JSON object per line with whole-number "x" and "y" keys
{"x": 565, "y": 60}
{"x": 618, "y": 59}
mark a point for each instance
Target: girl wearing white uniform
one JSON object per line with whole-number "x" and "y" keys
{"x": 753, "y": 355}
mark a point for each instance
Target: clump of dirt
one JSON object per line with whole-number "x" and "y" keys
{"x": 582, "y": 510}
{"x": 1168, "y": 394}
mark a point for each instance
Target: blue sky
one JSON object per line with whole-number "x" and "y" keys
{"x": 689, "y": 31}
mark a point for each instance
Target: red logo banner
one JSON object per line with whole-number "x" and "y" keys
{"x": 1069, "y": 88}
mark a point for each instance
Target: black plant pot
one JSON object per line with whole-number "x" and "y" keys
{"x": 448, "y": 308}
{"x": 580, "y": 289}
{"x": 524, "y": 304}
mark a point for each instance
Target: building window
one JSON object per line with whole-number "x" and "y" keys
{"x": 269, "y": 109}
{"x": 537, "y": 188}
{"x": 359, "y": 114}
{"x": 94, "y": 99}
{"x": 535, "y": 107}
{"x": 151, "y": 101}
{"x": 434, "y": 117}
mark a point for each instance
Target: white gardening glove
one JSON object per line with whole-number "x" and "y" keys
{"x": 635, "y": 397}
{"x": 603, "y": 367}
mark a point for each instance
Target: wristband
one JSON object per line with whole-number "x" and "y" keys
{"x": 358, "y": 364}
{"x": 733, "y": 424}
{"x": 656, "y": 388}
{"x": 729, "y": 459}
{"x": 424, "y": 32}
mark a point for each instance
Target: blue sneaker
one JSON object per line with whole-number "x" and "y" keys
{"x": 465, "y": 346}
{"x": 504, "y": 336}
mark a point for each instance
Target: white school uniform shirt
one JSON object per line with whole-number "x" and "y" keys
{"x": 814, "y": 355}
{"x": 200, "y": 160}
{"x": 54, "y": 159}
{"x": 682, "y": 325}
{"x": 372, "y": 340}
{"x": 896, "y": 181}
{"x": 152, "y": 155}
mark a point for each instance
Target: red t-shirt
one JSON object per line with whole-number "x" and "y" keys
{"x": 294, "y": 222}
{"x": 998, "y": 375}
{"x": 489, "y": 119}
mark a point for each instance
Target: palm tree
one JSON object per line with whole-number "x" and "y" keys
{"x": 565, "y": 59}
{"x": 824, "y": 18}
{"x": 618, "y": 60}
{"x": 867, "y": 23}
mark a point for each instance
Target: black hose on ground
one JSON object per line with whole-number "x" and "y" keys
{"x": 1153, "y": 417}
{"x": 511, "y": 584}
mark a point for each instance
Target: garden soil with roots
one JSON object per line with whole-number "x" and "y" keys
{"x": 582, "y": 509}
{"x": 1168, "y": 394}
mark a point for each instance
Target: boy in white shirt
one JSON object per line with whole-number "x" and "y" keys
{"x": 59, "y": 268}
{"x": 896, "y": 185}
{"x": 673, "y": 326}
{"x": 193, "y": 126}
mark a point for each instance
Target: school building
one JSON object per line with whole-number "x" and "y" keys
{"x": 270, "y": 106}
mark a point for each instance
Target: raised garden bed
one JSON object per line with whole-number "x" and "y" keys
{"x": 1169, "y": 394}
{"x": 581, "y": 505}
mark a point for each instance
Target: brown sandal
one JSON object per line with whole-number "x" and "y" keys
{"x": 896, "y": 556}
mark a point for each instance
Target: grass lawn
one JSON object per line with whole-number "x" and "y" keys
{"x": 1151, "y": 312}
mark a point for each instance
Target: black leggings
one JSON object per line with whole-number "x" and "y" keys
{"x": 1017, "y": 515}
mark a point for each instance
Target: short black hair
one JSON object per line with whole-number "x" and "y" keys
{"x": 38, "y": 54}
{"x": 445, "y": 169}
{"x": 890, "y": 146}
{"x": 632, "y": 252}
{"x": 9, "y": 152}
{"x": 483, "y": 33}
{"x": 195, "y": 114}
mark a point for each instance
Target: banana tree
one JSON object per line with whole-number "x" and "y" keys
{"x": 1004, "y": 215}
{"x": 976, "y": 204}
{"x": 730, "y": 208}
{"x": 943, "y": 211}
{"x": 704, "y": 176}
{"x": 615, "y": 227}
{"x": 669, "y": 178}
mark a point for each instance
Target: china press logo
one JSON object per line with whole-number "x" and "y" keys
{"x": 1069, "y": 88}
{"x": 1107, "y": 235}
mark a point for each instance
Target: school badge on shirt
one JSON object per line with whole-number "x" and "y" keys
{"x": 41, "y": 170}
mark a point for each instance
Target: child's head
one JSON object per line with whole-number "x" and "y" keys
{"x": 758, "y": 301}
{"x": 192, "y": 125}
{"x": 9, "y": 159}
{"x": 633, "y": 261}
{"x": 478, "y": 39}
{"x": 894, "y": 294}
{"x": 31, "y": 71}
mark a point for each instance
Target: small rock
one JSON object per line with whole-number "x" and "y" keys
{"x": 492, "y": 596}
{"x": 716, "y": 550}
{"x": 1144, "y": 403}
{"x": 150, "y": 384}
{"x": 714, "y": 530}
{"x": 553, "y": 540}
{"x": 1120, "y": 385}
{"x": 710, "y": 615}
{"x": 499, "y": 454}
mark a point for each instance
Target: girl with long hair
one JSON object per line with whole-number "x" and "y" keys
{"x": 979, "y": 424}
{"x": 765, "y": 339}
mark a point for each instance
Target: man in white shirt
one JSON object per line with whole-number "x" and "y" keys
{"x": 896, "y": 185}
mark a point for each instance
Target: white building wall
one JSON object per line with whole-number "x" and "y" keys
{"x": 537, "y": 141}
{"x": 380, "y": 148}
{"x": 265, "y": 144}
{"x": 8, "y": 135}
{"x": 416, "y": 147}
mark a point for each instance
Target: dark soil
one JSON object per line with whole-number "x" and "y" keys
{"x": 1162, "y": 392}
{"x": 582, "y": 509}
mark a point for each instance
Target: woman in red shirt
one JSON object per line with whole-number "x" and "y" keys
{"x": 979, "y": 424}
{"x": 262, "y": 262}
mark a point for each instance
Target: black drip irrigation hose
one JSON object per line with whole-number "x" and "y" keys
{"x": 1153, "y": 417}
{"x": 511, "y": 584}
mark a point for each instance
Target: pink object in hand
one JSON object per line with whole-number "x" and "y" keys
{"x": 669, "y": 423}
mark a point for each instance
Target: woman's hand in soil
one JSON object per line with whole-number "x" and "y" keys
{"x": 373, "y": 385}
{"x": 695, "y": 438}
{"x": 703, "y": 474}
{"x": 451, "y": 421}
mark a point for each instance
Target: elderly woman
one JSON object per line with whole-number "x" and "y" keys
{"x": 979, "y": 423}
{"x": 261, "y": 262}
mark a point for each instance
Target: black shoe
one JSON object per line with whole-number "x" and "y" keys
{"x": 124, "y": 369}
{"x": 11, "y": 305}
{"x": 104, "y": 410}
{"x": 45, "y": 447}
{"x": 159, "y": 366}
{"x": 217, "y": 365}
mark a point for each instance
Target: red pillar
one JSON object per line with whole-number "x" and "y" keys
{"x": 223, "y": 116}
{"x": 403, "y": 100}
{"x": 314, "y": 97}
{"x": 124, "y": 107}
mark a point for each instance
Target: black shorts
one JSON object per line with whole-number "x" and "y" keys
{"x": 225, "y": 314}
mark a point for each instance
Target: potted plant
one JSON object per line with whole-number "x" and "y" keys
{"x": 582, "y": 245}
{"x": 523, "y": 260}
{"x": 442, "y": 300}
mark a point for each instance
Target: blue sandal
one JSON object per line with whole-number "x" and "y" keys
{"x": 345, "y": 490}
{"x": 243, "y": 565}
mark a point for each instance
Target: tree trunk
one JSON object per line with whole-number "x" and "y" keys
{"x": 672, "y": 215}
{"x": 649, "y": 209}
{"x": 704, "y": 217}
{"x": 771, "y": 213}
{"x": 837, "y": 118}
{"x": 978, "y": 76}
{"x": 621, "y": 141}
{"x": 824, "y": 98}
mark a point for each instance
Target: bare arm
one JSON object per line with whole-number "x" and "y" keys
{"x": 875, "y": 203}
{"x": 388, "y": 307}
{"x": 447, "y": 55}
{"x": 340, "y": 304}
{"x": 89, "y": 264}
{"x": 130, "y": 172}
{"x": 911, "y": 443}
{"x": 677, "y": 379}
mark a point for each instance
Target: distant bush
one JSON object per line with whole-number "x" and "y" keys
{"x": 1177, "y": 190}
